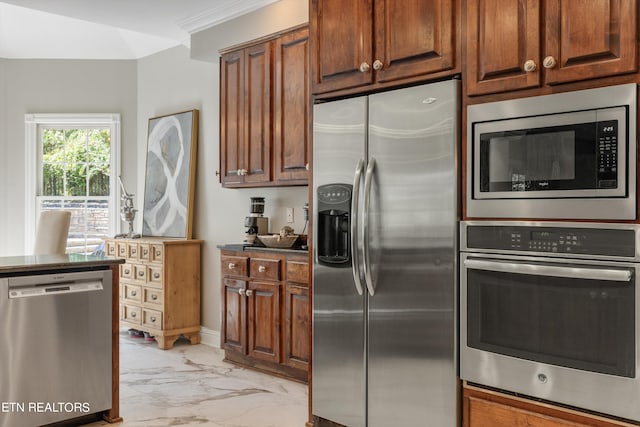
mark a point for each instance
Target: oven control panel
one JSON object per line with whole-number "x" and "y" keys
{"x": 555, "y": 240}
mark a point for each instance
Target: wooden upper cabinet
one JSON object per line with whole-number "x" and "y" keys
{"x": 360, "y": 43}
{"x": 583, "y": 40}
{"x": 589, "y": 38}
{"x": 265, "y": 111}
{"x": 342, "y": 48}
{"x": 292, "y": 108}
{"x": 502, "y": 36}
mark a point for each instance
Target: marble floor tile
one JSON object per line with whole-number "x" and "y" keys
{"x": 190, "y": 385}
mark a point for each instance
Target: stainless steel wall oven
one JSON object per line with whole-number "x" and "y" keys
{"x": 569, "y": 155}
{"x": 550, "y": 310}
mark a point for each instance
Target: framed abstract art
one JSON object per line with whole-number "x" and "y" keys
{"x": 170, "y": 175}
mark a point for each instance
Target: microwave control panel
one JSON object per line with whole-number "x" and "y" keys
{"x": 554, "y": 240}
{"x": 607, "y": 154}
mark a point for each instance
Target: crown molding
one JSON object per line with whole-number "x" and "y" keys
{"x": 220, "y": 14}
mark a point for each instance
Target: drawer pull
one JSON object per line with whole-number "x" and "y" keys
{"x": 127, "y": 271}
{"x": 249, "y": 292}
{"x": 242, "y": 291}
{"x": 158, "y": 253}
{"x": 232, "y": 266}
{"x": 133, "y": 293}
{"x": 262, "y": 269}
{"x": 140, "y": 273}
{"x": 133, "y": 251}
{"x": 156, "y": 275}
{"x": 133, "y": 314}
{"x": 145, "y": 252}
{"x": 154, "y": 297}
{"x": 153, "y": 319}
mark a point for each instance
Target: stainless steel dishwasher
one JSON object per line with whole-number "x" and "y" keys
{"x": 55, "y": 346}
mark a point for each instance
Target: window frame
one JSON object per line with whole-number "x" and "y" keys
{"x": 33, "y": 164}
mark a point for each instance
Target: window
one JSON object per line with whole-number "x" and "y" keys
{"x": 72, "y": 164}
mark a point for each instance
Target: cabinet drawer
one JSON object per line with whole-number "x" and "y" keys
{"x": 297, "y": 271}
{"x": 131, "y": 313}
{"x": 131, "y": 293}
{"x": 111, "y": 249}
{"x": 144, "y": 252}
{"x": 121, "y": 249}
{"x": 234, "y": 265}
{"x": 154, "y": 276}
{"x": 268, "y": 269}
{"x": 126, "y": 271}
{"x": 132, "y": 251}
{"x": 152, "y": 296}
{"x": 152, "y": 318}
{"x": 157, "y": 253}
{"x": 139, "y": 272}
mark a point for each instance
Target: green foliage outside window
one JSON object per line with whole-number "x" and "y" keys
{"x": 75, "y": 162}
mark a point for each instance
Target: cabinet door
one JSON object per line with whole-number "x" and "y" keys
{"x": 264, "y": 320}
{"x": 257, "y": 125}
{"x": 501, "y": 36}
{"x": 590, "y": 39}
{"x": 296, "y": 335}
{"x": 234, "y": 336}
{"x": 341, "y": 37}
{"x": 413, "y": 38}
{"x": 292, "y": 106}
{"x": 231, "y": 117}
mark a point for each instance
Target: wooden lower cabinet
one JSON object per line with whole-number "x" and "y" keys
{"x": 265, "y": 311}
{"x": 488, "y": 408}
{"x": 159, "y": 287}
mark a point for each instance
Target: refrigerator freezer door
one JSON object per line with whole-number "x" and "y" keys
{"x": 412, "y": 233}
{"x": 339, "y": 381}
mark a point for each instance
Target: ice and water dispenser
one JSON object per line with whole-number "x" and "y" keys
{"x": 334, "y": 224}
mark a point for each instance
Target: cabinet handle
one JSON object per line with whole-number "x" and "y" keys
{"x": 239, "y": 172}
{"x": 133, "y": 314}
{"x": 133, "y": 293}
{"x": 241, "y": 291}
{"x": 377, "y": 65}
{"x": 530, "y": 66}
{"x": 231, "y": 266}
{"x": 154, "y": 297}
{"x": 140, "y": 273}
{"x": 262, "y": 269}
{"x": 145, "y": 252}
{"x": 158, "y": 253}
{"x": 249, "y": 292}
{"x": 156, "y": 275}
{"x": 549, "y": 62}
{"x": 153, "y": 319}
{"x": 306, "y": 166}
{"x": 364, "y": 67}
{"x": 127, "y": 271}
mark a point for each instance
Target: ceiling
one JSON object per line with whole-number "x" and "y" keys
{"x": 108, "y": 29}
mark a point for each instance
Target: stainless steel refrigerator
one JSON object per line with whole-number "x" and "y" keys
{"x": 385, "y": 186}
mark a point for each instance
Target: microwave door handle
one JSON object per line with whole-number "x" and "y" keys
{"x": 608, "y": 275}
{"x": 367, "y": 204}
{"x": 355, "y": 196}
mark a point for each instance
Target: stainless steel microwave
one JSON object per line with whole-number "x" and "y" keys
{"x": 561, "y": 156}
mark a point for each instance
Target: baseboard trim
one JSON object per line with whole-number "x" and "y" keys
{"x": 209, "y": 337}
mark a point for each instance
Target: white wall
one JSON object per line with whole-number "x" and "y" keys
{"x": 56, "y": 86}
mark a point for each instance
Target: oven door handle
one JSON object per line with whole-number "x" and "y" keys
{"x": 605, "y": 274}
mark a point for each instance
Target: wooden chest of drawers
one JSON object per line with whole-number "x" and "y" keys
{"x": 159, "y": 287}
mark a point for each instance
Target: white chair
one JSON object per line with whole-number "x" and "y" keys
{"x": 52, "y": 232}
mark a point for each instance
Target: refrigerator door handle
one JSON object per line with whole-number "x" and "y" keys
{"x": 355, "y": 268}
{"x": 365, "y": 245}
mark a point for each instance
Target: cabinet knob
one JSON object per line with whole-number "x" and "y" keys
{"x": 140, "y": 273}
{"x": 239, "y": 172}
{"x": 306, "y": 166}
{"x": 133, "y": 293}
{"x": 364, "y": 67}
{"x": 127, "y": 271}
{"x": 249, "y": 292}
{"x": 156, "y": 275}
{"x": 153, "y": 319}
{"x": 549, "y": 62}
{"x": 530, "y": 66}
{"x": 262, "y": 269}
{"x": 133, "y": 314}
{"x": 377, "y": 65}
{"x": 241, "y": 291}
{"x": 231, "y": 266}
{"x": 154, "y": 297}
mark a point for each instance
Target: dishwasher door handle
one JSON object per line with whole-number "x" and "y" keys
{"x": 604, "y": 274}
{"x": 59, "y": 288}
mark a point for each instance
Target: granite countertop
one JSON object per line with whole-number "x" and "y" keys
{"x": 25, "y": 263}
{"x": 240, "y": 247}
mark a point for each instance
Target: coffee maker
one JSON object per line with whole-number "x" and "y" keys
{"x": 256, "y": 223}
